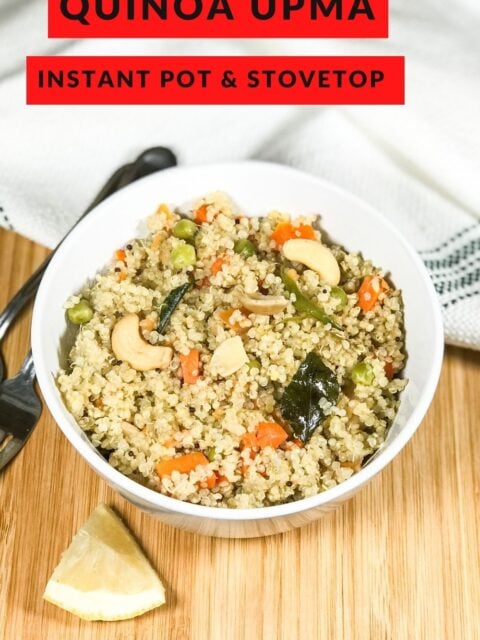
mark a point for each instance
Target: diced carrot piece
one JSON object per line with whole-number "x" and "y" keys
{"x": 286, "y": 231}
{"x": 190, "y": 366}
{"x": 211, "y": 481}
{"x": 305, "y": 231}
{"x": 164, "y": 208}
{"x": 369, "y": 292}
{"x": 121, "y": 276}
{"x": 298, "y": 443}
{"x": 121, "y": 255}
{"x": 225, "y": 315}
{"x": 249, "y": 440}
{"x": 217, "y": 265}
{"x": 389, "y": 370}
{"x": 270, "y": 434}
{"x": 201, "y": 214}
{"x": 283, "y": 232}
{"x": 267, "y": 434}
{"x": 183, "y": 464}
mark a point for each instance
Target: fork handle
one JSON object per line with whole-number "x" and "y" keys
{"x": 21, "y": 298}
{"x": 25, "y": 293}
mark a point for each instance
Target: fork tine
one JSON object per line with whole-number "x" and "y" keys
{"x": 3, "y": 435}
{"x": 4, "y": 440}
{"x": 11, "y": 449}
{"x": 20, "y": 409}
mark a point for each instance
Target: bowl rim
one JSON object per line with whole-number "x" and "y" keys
{"x": 157, "y": 501}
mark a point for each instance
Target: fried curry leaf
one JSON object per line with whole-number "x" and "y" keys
{"x": 300, "y": 403}
{"x": 303, "y": 304}
{"x": 169, "y": 305}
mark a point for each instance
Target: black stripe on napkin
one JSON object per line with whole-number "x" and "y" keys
{"x": 450, "y": 240}
{"x": 455, "y": 270}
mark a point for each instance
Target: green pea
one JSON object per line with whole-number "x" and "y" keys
{"x": 254, "y": 364}
{"x": 362, "y": 373}
{"x": 340, "y": 296}
{"x": 211, "y": 454}
{"x": 81, "y": 313}
{"x": 185, "y": 229}
{"x": 244, "y": 248}
{"x": 183, "y": 256}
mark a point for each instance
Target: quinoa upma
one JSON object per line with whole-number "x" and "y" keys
{"x": 233, "y": 361}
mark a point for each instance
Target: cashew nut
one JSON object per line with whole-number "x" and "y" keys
{"x": 228, "y": 357}
{"x": 127, "y": 345}
{"x": 315, "y": 256}
{"x": 264, "y": 305}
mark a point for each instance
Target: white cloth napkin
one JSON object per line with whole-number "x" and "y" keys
{"x": 418, "y": 164}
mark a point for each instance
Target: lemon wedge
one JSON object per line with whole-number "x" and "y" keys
{"x": 104, "y": 575}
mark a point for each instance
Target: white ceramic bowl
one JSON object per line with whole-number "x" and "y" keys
{"x": 258, "y": 188}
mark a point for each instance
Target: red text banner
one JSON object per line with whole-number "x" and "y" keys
{"x": 213, "y": 80}
{"x": 218, "y": 18}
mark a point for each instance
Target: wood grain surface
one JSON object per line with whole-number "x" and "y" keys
{"x": 399, "y": 561}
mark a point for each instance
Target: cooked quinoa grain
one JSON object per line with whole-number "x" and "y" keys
{"x": 193, "y": 405}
